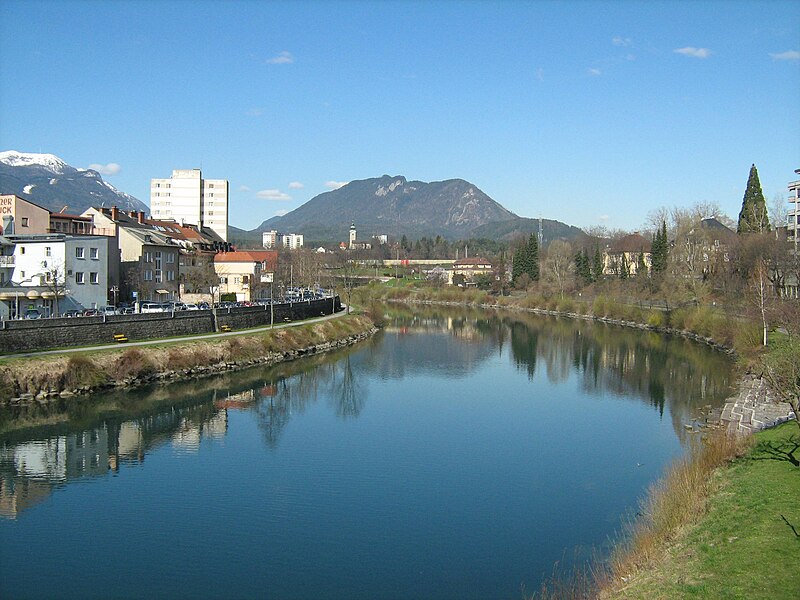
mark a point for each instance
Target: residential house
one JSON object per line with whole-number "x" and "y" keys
{"x": 52, "y": 273}
{"x": 21, "y": 217}
{"x": 245, "y": 273}
{"x": 470, "y": 268}
{"x": 626, "y": 253}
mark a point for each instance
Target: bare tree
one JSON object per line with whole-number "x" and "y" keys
{"x": 55, "y": 280}
{"x": 558, "y": 264}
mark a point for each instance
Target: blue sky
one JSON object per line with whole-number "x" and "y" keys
{"x": 592, "y": 113}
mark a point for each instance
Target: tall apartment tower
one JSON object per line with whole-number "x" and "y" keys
{"x": 187, "y": 197}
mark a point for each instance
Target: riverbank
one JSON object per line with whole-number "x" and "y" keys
{"x": 42, "y": 379}
{"x": 739, "y": 536}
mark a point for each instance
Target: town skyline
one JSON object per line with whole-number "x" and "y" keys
{"x": 590, "y": 113}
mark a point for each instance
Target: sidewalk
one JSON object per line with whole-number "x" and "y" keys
{"x": 189, "y": 338}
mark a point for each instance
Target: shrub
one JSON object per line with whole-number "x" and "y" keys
{"x": 133, "y": 363}
{"x": 600, "y": 306}
{"x": 656, "y": 318}
{"x": 81, "y": 371}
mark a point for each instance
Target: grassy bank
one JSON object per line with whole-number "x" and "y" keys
{"x": 703, "y": 321}
{"x": 99, "y": 369}
{"x": 725, "y": 531}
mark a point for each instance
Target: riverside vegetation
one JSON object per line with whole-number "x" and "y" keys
{"x": 723, "y": 521}
{"x": 40, "y": 378}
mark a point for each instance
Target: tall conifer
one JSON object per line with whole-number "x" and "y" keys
{"x": 753, "y": 217}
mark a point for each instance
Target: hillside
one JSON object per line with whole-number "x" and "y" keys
{"x": 48, "y": 181}
{"x": 394, "y": 206}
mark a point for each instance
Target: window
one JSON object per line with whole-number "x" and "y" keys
{"x": 148, "y": 275}
{"x": 170, "y": 259}
{"x": 211, "y": 185}
{"x": 22, "y": 249}
{"x": 237, "y": 280}
{"x": 93, "y": 253}
{"x": 79, "y": 277}
{"x": 93, "y": 278}
{"x": 24, "y": 221}
{"x": 47, "y": 251}
{"x": 147, "y": 257}
{"x": 158, "y": 276}
{"x": 79, "y": 252}
{"x": 221, "y": 279}
{"x": 170, "y": 275}
{"x": 22, "y": 274}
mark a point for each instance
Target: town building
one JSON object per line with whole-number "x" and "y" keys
{"x": 187, "y": 197}
{"x": 274, "y": 239}
{"x": 469, "y": 269}
{"x": 21, "y": 217}
{"x": 793, "y": 220}
{"x": 625, "y": 253}
{"x": 245, "y": 274}
{"x": 52, "y": 273}
{"x": 148, "y": 258}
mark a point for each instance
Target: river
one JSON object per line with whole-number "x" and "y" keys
{"x": 457, "y": 454}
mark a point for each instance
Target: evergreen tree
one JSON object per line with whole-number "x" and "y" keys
{"x": 624, "y": 268}
{"x": 533, "y": 258}
{"x": 518, "y": 263}
{"x": 753, "y": 217}
{"x": 659, "y": 250}
{"x": 597, "y": 269}
{"x": 641, "y": 265}
{"x": 582, "y": 267}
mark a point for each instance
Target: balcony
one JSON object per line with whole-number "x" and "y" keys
{"x": 6, "y": 261}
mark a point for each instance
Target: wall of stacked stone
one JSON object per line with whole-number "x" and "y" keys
{"x": 43, "y": 334}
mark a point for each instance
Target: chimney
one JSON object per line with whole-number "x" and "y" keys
{"x": 132, "y": 214}
{"x": 140, "y": 217}
{"x": 114, "y": 213}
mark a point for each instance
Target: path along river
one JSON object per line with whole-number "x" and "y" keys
{"x": 458, "y": 454}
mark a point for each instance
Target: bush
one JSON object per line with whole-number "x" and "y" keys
{"x": 81, "y": 371}
{"x": 133, "y": 363}
{"x": 656, "y": 318}
{"x": 600, "y": 306}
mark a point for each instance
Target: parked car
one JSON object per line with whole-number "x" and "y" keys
{"x": 203, "y": 306}
{"x": 91, "y": 312}
{"x": 128, "y": 310}
{"x": 32, "y": 313}
{"x": 109, "y": 310}
{"x": 151, "y": 307}
{"x": 70, "y": 314}
{"x": 190, "y": 307}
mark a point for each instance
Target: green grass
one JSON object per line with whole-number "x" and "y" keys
{"x": 744, "y": 546}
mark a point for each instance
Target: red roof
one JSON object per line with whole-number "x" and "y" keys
{"x": 246, "y": 256}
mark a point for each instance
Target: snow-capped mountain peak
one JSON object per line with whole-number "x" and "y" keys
{"x": 27, "y": 159}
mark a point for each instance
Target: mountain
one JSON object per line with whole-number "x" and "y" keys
{"x": 395, "y": 206}
{"x": 48, "y": 181}
{"x": 522, "y": 227}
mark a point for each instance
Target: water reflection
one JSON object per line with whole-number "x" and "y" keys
{"x": 43, "y": 448}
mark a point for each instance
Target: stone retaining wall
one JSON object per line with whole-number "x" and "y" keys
{"x": 44, "y": 334}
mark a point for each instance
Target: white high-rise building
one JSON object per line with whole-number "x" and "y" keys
{"x": 187, "y": 197}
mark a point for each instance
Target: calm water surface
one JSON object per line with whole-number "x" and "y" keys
{"x": 455, "y": 455}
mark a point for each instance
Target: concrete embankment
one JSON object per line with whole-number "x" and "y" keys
{"x": 42, "y": 380}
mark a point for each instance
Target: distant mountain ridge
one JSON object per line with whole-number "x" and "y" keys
{"x": 454, "y": 209}
{"x": 48, "y": 181}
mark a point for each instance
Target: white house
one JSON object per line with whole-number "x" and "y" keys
{"x": 53, "y": 273}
